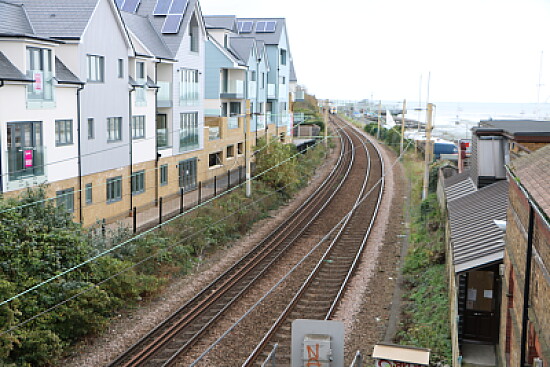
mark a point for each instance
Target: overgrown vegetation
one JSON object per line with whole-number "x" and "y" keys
{"x": 40, "y": 241}
{"x": 426, "y": 304}
{"x": 391, "y": 137}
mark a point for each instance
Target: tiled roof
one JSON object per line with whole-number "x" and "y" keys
{"x": 64, "y": 75}
{"x": 533, "y": 171}
{"x": 269, "y": 38}
{"x": 142, "y": 27}
{"x": 13, "y": 19}
{"x": 475, "y": 238}
{"x": 10, "y": 72}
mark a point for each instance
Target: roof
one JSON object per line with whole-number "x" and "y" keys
{"x": 220, "y": 22}
{"x": 269, "y": 38}
{"x": 64, "y": 75}
{"x": 142, "y": 27}
{"x": 59, "y": 18}
{"x": 519, "y": 127}
{"x": 475, "y": 238}
{"x": 532, "y": 171}
{"x": 242, "y": 47}
{"x": 459, "y": 185}
{"x": 292, "y": 76}
{"x": 9, "y": 72}
{"x": 13, "y": 19}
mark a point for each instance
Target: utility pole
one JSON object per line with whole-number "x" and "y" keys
{"x": 428, "y": 150}
{"x": 403, "y": 126}
{"x": 379, "y": 116}
{"x": 248, "y": 184}
{"x": 325, "y": 115}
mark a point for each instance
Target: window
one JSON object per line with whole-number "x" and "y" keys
{"x": 283, "y": 80}
{"x": 253, "y": 76}
{"x": 240, "y": 148}
{"x": 25, "y": 150}
{"x": 263, "y": 80}
{"x": 189, "y": 87}
{"x": 163, "y": 137}
{"x": 138, "y": 127}
{"x": 114, "y": 128}
{"x": 215, "y": 159}
{"x": 120, "y": 68}
{"x": 138, "y": 182}
{"x": 189, "y": 131}
{"x": 194, "y": 35}
{"x": 65, "y": 199}
{"x": 230, "y": 151}
{"x": 39, "y": 68}
{"x": 96, "y": 68}
{"x": 91, "y": 128}
{"x": 164, "y": 175}
{"x": 283, "y": 57}
{"x": 141, "y": 79}
{"x": 114, "y": 189}
{"x": 88, "y": 193}
{"x": 63, "y": 132}
{"x": 140, "y": 70}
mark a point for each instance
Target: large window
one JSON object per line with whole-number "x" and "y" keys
{"x": 283, "y": 57}
{"x": 114, "y": 128}
{"x": 114, "y": 189}
{"x": 91, "y": 129}
{"x": 189, "y": 131}
{"x": 215, "y": 159}
{"x": 63, "y": 132}
{"x": 39, "y": 68}
{"x": 25, "y": 149}
{"x": 164, "y": 175}
{"x": 189, "y": 87}
{"x": 138, "y": 182}
{"x": 163, "y": 136}
{"x": 65, "y": 199}
{"x": 96, "y": 68}
{"x": 138, "y": 127}
{"x": 141, "y": 79}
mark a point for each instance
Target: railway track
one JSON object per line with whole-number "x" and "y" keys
{"x": 181, "y": 331}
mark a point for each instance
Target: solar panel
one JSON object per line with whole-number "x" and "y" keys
{"x": 260, "y": 27}
{"x": 172, "y": 23}
{"x": 162, "y": 7}
{"x": 130, "y": 5}
{"x": 270, "y": 27}
{"x": 119, "y": 3}
{"x": 245, "y": 27}
{"x": 178, "y": 6}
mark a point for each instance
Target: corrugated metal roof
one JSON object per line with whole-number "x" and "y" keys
{"x": 458, "y": 186}
{"x": 64, "y": 75}
{"x": 519, "y": 127}
{"x": 13, "y": 19}
{"x": 10, "y": 72}
{"x": 532, "y": 171}
{"x": 475, "y": 238}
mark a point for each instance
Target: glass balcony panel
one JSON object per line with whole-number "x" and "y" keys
{"x": 214, "y": 133}
{"x": 164, "y": 95}
{"x": 233, "y": 122}
{"x": 42, "y": 88}
{"x": 162, "y": 138}
{"x": 25, "y": 162}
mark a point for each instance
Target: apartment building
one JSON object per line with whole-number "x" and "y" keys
{"x": 104, "y": 100}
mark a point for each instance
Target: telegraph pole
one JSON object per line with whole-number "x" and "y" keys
{"x": 428, "y": 150}
{"x": 248, "y": 184}
{"x": 379, "y": 116}
{"x": 403, "y": 126}
{"x": 325, "y": 115}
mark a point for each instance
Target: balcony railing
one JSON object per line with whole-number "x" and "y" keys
{"x": 42, "y": 89}
{"x": 234, "y": 90}
{"x": 162, "y": 138}
{"x": 214, "y": 133}
{"x": 233, "y": 122}
{"x": 25, "y": 162}
{"x": 164, "y": 95}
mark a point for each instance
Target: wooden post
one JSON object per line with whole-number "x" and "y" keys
{"x": 215, "y": 184}
{"x": 325, "y": 115}
{"x": 428, "y": 150}
{"x": 247, "y": 148}
{"x": 379, "y": 117}
{"x": 160, "y": 210}
{"x": 199, "y": 200}
{"x": 134, "y": 219}
{"x": 181, "y": 199}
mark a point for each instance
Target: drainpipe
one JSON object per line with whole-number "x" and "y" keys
{"x": 130, "y": 144}
{"x": 1, "y": 174}
{"x": 527, "y": 285}
{"x": 78, "y": 123}
{"x": 156, "y": 140}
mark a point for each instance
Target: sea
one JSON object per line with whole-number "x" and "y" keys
{"x": 454, "y": 120}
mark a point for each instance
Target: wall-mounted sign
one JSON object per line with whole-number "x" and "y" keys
{"x": 27, "y": 158}
{"x": 392, "y": 355}
{"x": 38, "y": 81}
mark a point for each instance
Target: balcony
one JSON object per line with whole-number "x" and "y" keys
{"x": 234, "y": 89}
{"x": 271, "y": 93}
{"x": 25, "y": 162}
{"x": 163, "y": 138}
{"x": 164, "y": 95}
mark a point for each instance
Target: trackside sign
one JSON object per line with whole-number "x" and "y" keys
{"x": 392, "y": 355}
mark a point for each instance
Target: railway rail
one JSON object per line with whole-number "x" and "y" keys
{"x": 181, "y": 331}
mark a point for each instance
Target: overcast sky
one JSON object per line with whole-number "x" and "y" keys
{"x": 475, "y": 50}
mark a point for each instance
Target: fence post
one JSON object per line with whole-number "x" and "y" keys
{"x": 160, "y": 210}
{"x": 240, "y": 175}
{"x": 134, "y": 219}
{"x": 215, "y": 184}
{"x": 200, "y": 193}
{"x": 103, "y": 231}
{"x": 181, "y": 200}
{"x": 228, "y": 179}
